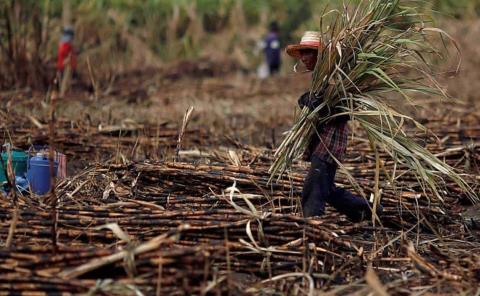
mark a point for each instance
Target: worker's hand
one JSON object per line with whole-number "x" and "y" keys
{"x": 311, "y": 102}
{"x": 302, "y": 101}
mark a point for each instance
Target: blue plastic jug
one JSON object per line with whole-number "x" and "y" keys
{"x": 38, "y": 174}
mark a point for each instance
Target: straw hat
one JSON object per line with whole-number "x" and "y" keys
{"x": 310, "y": 40}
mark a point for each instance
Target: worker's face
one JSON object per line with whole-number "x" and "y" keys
{"x": 309, "y": 58}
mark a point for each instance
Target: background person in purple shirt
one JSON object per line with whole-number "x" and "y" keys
{"x": 271, "y": 47}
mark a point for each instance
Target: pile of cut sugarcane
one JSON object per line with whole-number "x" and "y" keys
{"x": 176, "y": 227}
{"x": 81, "y": 140}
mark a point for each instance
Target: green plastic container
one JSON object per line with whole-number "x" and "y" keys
{"x": 19, "y": 163}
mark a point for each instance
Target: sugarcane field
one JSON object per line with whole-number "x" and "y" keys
{"x": 239, "y": 147}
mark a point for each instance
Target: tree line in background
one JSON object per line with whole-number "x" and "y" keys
{"x": 117, "y": 35}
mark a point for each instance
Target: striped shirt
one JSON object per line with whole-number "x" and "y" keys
{"x": 331, "y": 140}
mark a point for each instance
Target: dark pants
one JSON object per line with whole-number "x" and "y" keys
{"x": 274, "y": 68}
{"x": 319, "y": 189}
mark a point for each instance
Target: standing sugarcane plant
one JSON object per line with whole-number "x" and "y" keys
{"x": 371, "y": 56}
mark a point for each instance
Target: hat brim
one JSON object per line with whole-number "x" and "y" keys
{"x": 294, "y": 49}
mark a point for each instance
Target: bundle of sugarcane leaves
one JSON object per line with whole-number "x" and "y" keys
{"x": 370, "y": 57}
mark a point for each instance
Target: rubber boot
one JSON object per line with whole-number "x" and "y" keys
{"x": 355, "y": 208}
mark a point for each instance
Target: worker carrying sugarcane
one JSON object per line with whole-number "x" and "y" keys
{"x": 66, "y": 53}
{"x": 326, "y": 147}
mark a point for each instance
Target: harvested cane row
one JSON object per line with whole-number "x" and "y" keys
{"x": 278, "y": 238}
{"x": 211, "y": 227}
{"x": 333, "y": 255}
{"x": 80, "y": 141}
{"x": 191, "y": 204}
{"x": 180, "y": 186}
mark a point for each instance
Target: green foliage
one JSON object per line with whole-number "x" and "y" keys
{"x": 457, "y": 8}
{"x": 151, "y": 18}
{"x": 153, "y": 15}
{"x": 23, "y": 41}
{"x": 168, "y": 29}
